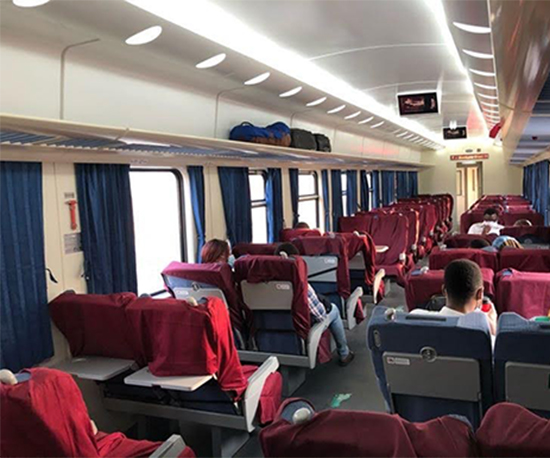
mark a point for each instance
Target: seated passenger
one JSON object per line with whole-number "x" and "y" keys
{"x": 505, "y": 241}
{"x": 489, "y": 225}
{"x": 482, "y": 244}
{"x": 215, "y": 250}
{"x": 523, "y": 223}
{"x": 302, "y": 225}
{"x": 319, "y": 310}
{"x": 463, "y": 291}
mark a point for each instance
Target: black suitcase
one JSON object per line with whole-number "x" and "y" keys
{"x": 302, "y": 139}
{"x": 323, "y": 143}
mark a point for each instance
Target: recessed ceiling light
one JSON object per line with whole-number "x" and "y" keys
{"x": 485, "y": 96}
{"x": 212, "y": 61}
{"x": 395, "y": 132}
{"x": 374, "y": 126}
{"x": 481, "y": 73}
{"x": 258, "y": 79}
{"x": 291, "y": 92}
{"x": 316, "y": 102}
{"x": 402, "y": 135}
{"x": 336, "y": 110}
{"x": 486, "y": 86}
{"x": 487, "y": 104}
{"x": 472, "y": 28}
{"x": 364, "y": 121}
{"x": 408, "y": 137}
{"x": 145, "y": 36}
{"x": 479, "y": 55}
{"x": 29, "y": 3}
{"x": 353, "y": 115}
{"x": 453, "y": 124}
{"x": 491, "y": 111}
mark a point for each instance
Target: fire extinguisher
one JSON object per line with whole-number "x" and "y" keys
{"x": 72, "y": 210}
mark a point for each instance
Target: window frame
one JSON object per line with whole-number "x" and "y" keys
{"x": 308, "y": 197}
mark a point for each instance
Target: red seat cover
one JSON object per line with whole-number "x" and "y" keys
{"x": 95, "y": 324}
{"x": 532, "y": 260}
{"x": 464, "y": 240}
{"x": 270, "y": 399}
{"x": 420, "y": 288}
{"x": 257, "y": 269}
{"x": 345, "y": 433}
{"x": 439, "y": 259}
{"x": 350, "y": 224}
{"x": 177, "y": 338}
{"x": 117, "y": 445}
{"x": 526, "y": 293}
{"x": 509, "y": 219}
{"x": 363, "y": 244}
{"x": 287, "y": 235}
{"x": 540, "y": 232}
{"x": 241, "y": 249}
{"x": 511, "y": 430}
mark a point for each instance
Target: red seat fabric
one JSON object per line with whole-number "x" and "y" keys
{"x": 287, "y": 235}
{"x": 46, "y": 417}
{"x": 270, "y": 399}
{"x": 345, "y": 433}
{"x": 219, "y": 275}
{"x": 363, "y": 244}
{"x": 541, "y": 233}
{"x": 420, "y": 288}
{"x": 95, "y": 324}
{"x": 511, "y": 430}
{"x": 526, "y": 293}
{"x": 440, "y": 258}
{"x": 525, "y": 260}
{"x": 257, "y": 269}
{"x": 508, "y": 219}
{"x": 357, "y": 223}
{"x": 177, "y": 338}
{"x": 469, "y": 218}
{"x": 464, "y": 240}
{"x": 266, "y": 249}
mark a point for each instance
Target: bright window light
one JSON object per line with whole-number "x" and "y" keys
{"x": 472, "y": 28}
{"x": 257, "y": 79}
{"x": 489, "y": 97}
{"x": 145, "y": 36}
{"x": 374, "y": 126}
{"x": 478, "y": 55}
{"x": 402, "y": 135}
{"x": 29, "y": 3}
{"x": 336, "y": 110}
{"x": 212, "y": 61}
{"x": 353, "y": 115}
{"x": 316, "y": 102}
{"x": 487, "y": 104}
{"x": 486, "y": 86}
{"x": 480, "y": 73}
{"x": 291, "y": 92}
{"x": 364, "y": 121}
{"x": 207, "y": 19}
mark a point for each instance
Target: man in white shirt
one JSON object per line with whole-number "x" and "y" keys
{"x": 463, "y": 290}
{"x": 489, "y": 225}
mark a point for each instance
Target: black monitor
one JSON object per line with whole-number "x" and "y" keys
{"x": 454, "y": 134}
{"x": 412, "y": 104}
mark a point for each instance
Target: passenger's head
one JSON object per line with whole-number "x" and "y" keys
{"x": 301, "y": 225}
{"x": 523, "y": 223}
{"x": 490, "y": 214}
{"x": 463, "y": 285}
{"x": 287, "y": 248}
{"x": 479, "y": 244}
{"x": 505, "y": 241}
{"x": 215, "y": 250}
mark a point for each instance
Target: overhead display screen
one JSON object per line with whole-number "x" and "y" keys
{"x": 454, "y": 134}
{"x": 411, "y": 104}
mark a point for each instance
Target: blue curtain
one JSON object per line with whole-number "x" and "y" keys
{"x": 107, "y": 220}
{"x": 326, "y": 200}
{"x": 364, "y": 190}
{"x": 388, "y": 187}
{"x": 541, "y": 188}
{"x": 413, "y": 184}
{"x": 274, "y": 202}
{"x": 351, "y": 202}
{"x": 337, "y": 201}
{"x": 196, "y": 181}
{"x": 237, "y": 206}
{"x": 294, "y": 194}
{"x": 376, "y": 189}
{"x": 26, "y": 337}
{"x": 402, "y": 185}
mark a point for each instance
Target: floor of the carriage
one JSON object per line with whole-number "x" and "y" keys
{"x": 329, "y": 380}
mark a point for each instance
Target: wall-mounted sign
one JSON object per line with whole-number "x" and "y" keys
{"x": 73, "y": 243}
{"x": 469, "y": 157}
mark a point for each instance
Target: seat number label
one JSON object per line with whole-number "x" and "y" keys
{"x": 398, "y": 361}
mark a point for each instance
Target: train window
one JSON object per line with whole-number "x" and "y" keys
{"x": 371, "y": 191}
{"x": 157, "y": 200}
{"x": 345, "y": 194}
{"x": 257, "y": 179}
{"x": 308, "y": 202}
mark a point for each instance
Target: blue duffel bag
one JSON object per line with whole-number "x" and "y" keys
{"x": 274, "y": 134}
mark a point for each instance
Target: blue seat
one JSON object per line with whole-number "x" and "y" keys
{"x": 522, "y": 363}
{"x": 432, "y": 365}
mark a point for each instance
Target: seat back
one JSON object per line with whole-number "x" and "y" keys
{"x": 275, "y": 290}
{"x": 242, "y": 249}
{"x": 350, "y": 224}
{"x": 287, "y": 235}
{"x": 439, "y": 259}
{"x": 95, "y": 324}
{"x": 429, "y": 365}
{"x": 393, "y": 231}
{"x": 464, "y": 240}
{"x": 528, "y": 260}
{"x": 528, "y": 234}
{"x": 509, "y": 218}
{"x": 522, "y": 362}
{"x": 526, "y": 293}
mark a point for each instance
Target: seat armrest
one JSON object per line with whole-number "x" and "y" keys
{"x": 351, "y": 305}
{"x": 170, "y": 448}
{"x": 256, "y": 382}
{"x": 378, "y": 279}
{"x": 313, "y": 340}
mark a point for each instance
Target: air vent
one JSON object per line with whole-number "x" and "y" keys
{"x": 469, "y": 150}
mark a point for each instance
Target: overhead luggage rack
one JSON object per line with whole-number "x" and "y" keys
{"x": 34, "y": 137}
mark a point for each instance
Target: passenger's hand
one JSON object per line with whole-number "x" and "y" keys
{"x": 485, "y": 229}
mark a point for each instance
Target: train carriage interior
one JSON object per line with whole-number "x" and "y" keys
{"x": 268, "y": 228}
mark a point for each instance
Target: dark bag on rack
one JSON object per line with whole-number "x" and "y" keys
{"x": 303, "y": 139}
{"x": 323, "y": 143}
{"x": 274, "y": 134}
